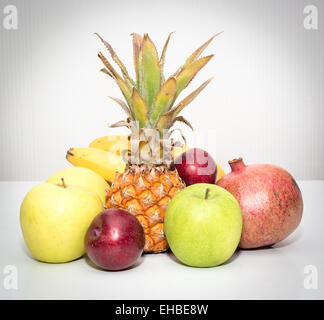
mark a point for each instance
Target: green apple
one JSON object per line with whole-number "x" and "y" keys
{"x": 83, "y": 177}
{"x": 203, "y": 225}
{"x": 54, "y": 220}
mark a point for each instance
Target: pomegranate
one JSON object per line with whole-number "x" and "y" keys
{"x": 270, "y": 200}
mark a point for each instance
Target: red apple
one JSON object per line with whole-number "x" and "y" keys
{"x": 114, "y": 240}
{"x": 196, "y": 166}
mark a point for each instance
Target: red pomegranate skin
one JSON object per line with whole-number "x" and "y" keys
{"x": 270, "y": 200}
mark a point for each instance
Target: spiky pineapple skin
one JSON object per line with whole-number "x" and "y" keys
{"x": 145, "y": 192}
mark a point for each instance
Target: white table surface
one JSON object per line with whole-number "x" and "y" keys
{"x": 273, "y": 273}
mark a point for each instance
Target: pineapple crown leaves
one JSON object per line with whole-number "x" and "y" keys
{"x": 150, "y": 99}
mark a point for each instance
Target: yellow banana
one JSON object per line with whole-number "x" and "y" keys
{"x": 102, "y": 162}
{"x": 176, "y": 151}
{"x": 117, "y": 143}
{"x": 113, "y": 143}
{"x": 220, "y": 172}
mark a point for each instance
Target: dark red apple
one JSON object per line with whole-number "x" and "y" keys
{"x": 114, "y": 240}
{"x": 196, "y": 166}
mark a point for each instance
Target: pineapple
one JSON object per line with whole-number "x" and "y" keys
{"x": 149, "y": 181}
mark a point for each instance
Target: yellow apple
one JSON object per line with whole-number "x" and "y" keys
{"x": 83, "y": 177}
{"x": 54, "y": 220}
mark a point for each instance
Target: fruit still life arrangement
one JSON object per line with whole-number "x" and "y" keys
{"x": 129, "y": 195}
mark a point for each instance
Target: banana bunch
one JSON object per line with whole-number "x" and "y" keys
{"x": 103, "y": 155}
{"x": 113, "y": 143}
{"x": 102, "y": 162}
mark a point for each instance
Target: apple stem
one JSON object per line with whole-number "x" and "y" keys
{"x": 63, "y": 183}
{"x": 206, "y": 194}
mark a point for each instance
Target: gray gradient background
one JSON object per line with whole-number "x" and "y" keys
{"x": 265, "y": 102}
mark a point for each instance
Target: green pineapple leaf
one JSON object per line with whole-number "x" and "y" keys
{"x": 123, "y": 105}
{"x": 137, "y": 44}
{"x": 196, "y": 54}
{"x": 163, "y": 99}
{"x": 151, "y": 79}
{"x": 140, "y": 108}
{"x": 166, "y": 120}
{"x": 126, "y": 91}
{"x": 106, "y": 71}
{"x": 188, "y": 73}
{"x": 114, "y": 56}
{"x": 183, "y": 120}
{"x": 162, "y": 58}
